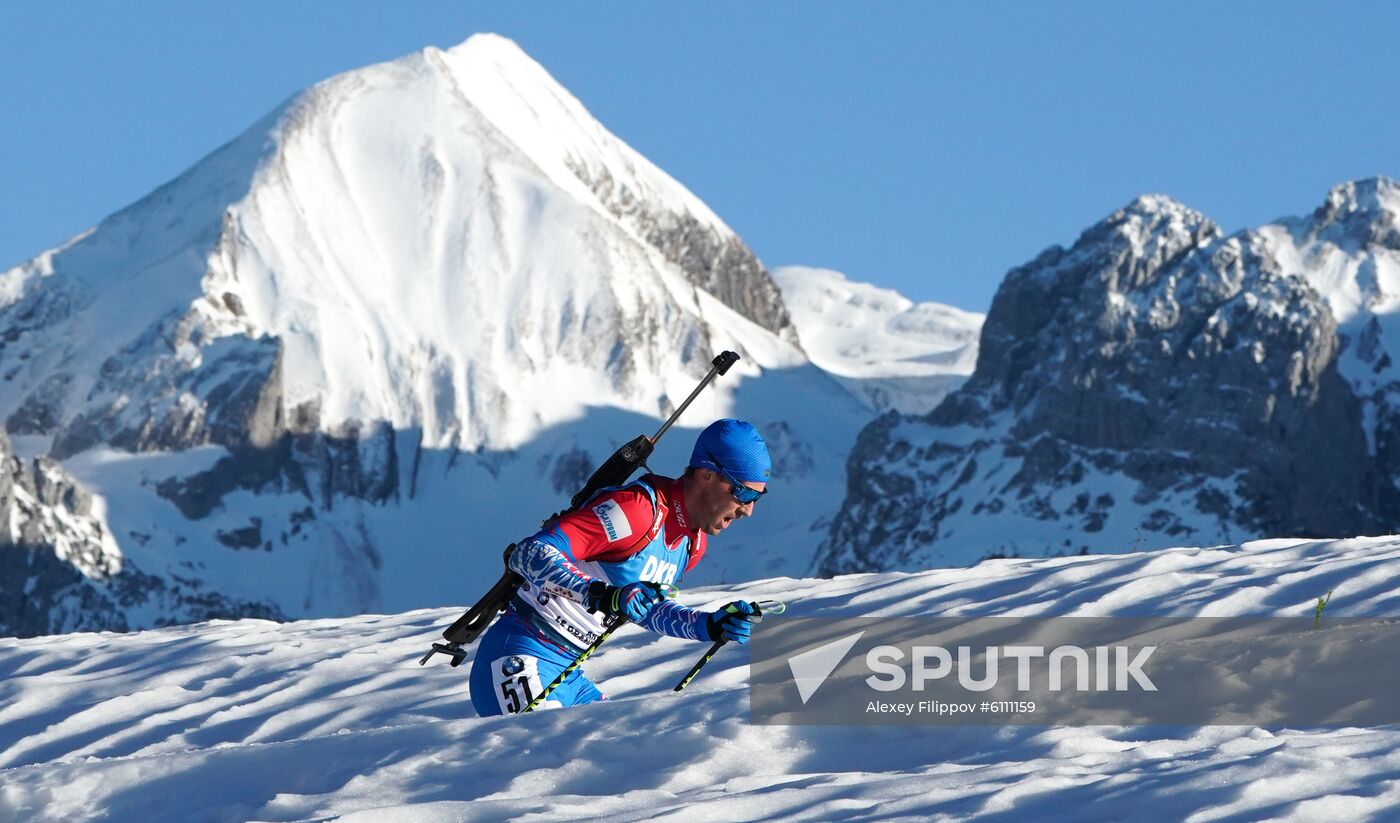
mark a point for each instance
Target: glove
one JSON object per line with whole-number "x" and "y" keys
{"x": 632, "y": 601}
{"x": 733, "y": 622}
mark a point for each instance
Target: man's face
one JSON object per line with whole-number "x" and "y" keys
{"x": 714, "y": 506}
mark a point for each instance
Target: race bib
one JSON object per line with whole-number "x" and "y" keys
{"x": 518, "y": 682}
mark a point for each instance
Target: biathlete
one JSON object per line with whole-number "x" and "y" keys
{"x": 613, "y": 556}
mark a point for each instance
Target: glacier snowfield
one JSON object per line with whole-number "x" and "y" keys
{"x": 335, "y": 720}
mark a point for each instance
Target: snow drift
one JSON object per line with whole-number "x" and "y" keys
{"x": 334, "y": 720}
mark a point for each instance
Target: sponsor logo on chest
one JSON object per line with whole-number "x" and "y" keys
{"x": 657, "y": 570}
{"x": 614, "y": 520}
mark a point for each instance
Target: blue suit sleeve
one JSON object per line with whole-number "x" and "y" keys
{"x": 674, "y": 620}
{"x": 545, "y": 566}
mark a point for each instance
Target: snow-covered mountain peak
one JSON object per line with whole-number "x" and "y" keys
{"x": 1356, "y": 216}
{"x": 1154, "y": 203}
{"x": 1348, "y": 248}
{"x": 447, "y": 241}
{"x": 553, "y": 128}
{"x": 1146, "y": 234}
{"x": 1156, "y": 380}
{"x": 889, "y": 350}
{"x": 1370, "y": 198}
{"x": 1157, "y": 225}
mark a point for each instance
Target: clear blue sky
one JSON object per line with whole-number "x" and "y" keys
{"x": 921, "y": 146}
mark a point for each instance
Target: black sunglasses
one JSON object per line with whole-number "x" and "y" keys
{"x": 743, "y": 494}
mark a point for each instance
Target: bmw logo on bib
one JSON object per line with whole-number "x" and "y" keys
{"x": 512, "y": 665}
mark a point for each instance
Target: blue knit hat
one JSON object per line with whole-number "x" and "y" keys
{"x": 733, "y": 446}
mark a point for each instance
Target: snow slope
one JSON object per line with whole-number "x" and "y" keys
{"x": 894, "y": 353}
{"x": 334, "y": 720}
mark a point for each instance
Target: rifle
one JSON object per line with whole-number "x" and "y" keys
{"x": 614, "y": 472}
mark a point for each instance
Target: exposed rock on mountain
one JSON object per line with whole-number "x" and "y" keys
{"x": 61, "y": 570}
{"x": 1157, "y": 382}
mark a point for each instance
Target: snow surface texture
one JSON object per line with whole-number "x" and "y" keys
{"x": 1156, "y": 383}
{"x": 341, "y": 362}
{"x": 899, "y": 354}
{"x": 334, "y": 720}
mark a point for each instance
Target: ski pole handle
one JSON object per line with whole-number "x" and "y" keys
{"x": 761, "y": 607}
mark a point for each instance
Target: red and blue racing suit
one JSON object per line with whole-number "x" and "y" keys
{"x": 637, "y": 532}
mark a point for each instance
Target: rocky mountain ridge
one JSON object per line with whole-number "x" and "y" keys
{"x": 61, "y": 569}
{"x": 1157, "y": 382}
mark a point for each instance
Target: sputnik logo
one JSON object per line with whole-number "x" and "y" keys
{"x": 811, "y": 668}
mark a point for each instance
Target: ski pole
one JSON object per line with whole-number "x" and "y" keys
{"x": 611, "y": 626}
{"x": 608, "y": 628}
{"x": 771, "y": 606}
{"x": 699, "y": 664}
{"x": 721, "y": 364}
